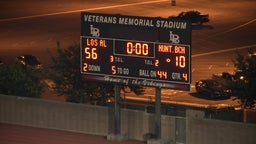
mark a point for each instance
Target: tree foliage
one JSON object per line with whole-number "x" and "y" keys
{"x": 245, "y": 84}
{"x": 65, "y": 72}
{"x": 20, "y": 81}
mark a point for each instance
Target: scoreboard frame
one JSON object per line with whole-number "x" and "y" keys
{"x": 133, "y": 50}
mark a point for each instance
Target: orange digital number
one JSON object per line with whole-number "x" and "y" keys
{"x": 156, "y": 63}
{"x": 162, "y": 74}
{"x": 90, "y": 53}
{"x": 137, "y": 48}
{"x": 111, "y": 58}
{"x": 185, "y": 76}
{"x": 180, "y": 61}
{"x": 85, "y": 67}
{"x": 113, "y": 68}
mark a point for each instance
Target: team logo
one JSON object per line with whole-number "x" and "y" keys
{"x": 174, "y": 38}
{"x": 95, "y": 31}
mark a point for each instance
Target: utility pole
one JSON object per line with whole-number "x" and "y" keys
{"x": 173, "y": 2}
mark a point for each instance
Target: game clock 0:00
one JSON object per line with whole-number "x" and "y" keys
{"x": 134, "y": 48}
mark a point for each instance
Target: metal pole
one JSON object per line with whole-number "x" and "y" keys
{"x": 173, "y": 2}
{"x": 117, "y": 109}
{"x": 158, "y": 112}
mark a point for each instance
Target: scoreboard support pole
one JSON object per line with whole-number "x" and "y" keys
{"x": 158, "y": 113}
{"x": 117, "y": 109}
{"x": 117, "y": 136}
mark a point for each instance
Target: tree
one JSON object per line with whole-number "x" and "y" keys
{"x": 18, "y": 80}
{"x": 245, "y": 85}
{"x": 65, "y": 72}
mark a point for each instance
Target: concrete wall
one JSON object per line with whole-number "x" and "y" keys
{"x": 56, "y": 115}
{"x": 209, "y": 131}
{"x": 135, "y": 124}
{"x": 78, "y": 117}
{"x": 75, "y": 117}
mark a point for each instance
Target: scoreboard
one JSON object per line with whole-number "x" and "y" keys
{"x": 135, "y": 50}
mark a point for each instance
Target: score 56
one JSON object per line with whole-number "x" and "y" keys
{"x": 90, "y": 53}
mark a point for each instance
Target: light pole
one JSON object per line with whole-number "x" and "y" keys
{"x": 173, "y": 2}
